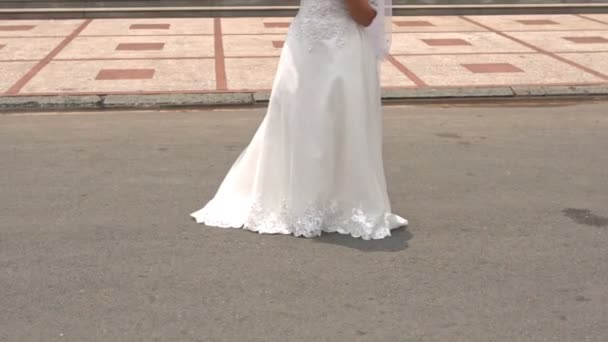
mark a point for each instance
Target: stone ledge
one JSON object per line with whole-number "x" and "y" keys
{"x": 139, "y": 101}
{"x": 176, "y": 100}
{"x": 284, "y": 11}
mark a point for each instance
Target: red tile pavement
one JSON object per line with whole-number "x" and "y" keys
{"x": 16, "y": 27}
{"x": 587, "y": 40}
{"x": 125, "y": 74}
{"x": 452, "y": 51}
{"x": 490, "y": 68}
{"x": 547, "y": 22}
{"x": 191, "y": 75}
{"x": 583, "y": 68}
{"x": 445, "y": 42}
{"x": 16, "y": 88}
{"x": 220, "y": 59}
{"x": 133, "y": 27}
{"x": 139, "y": 46}
{"x": 407, "y": 72}
{"x": 150, "y": 26}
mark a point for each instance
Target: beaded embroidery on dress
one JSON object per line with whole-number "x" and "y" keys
{"x": 315, "y": 163}
{"x": 322, "y": 20}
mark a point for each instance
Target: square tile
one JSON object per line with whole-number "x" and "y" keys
{"x": 254, "y": 45}
{"x": 11, "y": 73}
{"x": 574, "y": 41}
{"x": 80, "y": 76}
{"x": 587, "y": 40}
{"x": 27, "y": 48}
{"x": 549, "y": 22}
{"x": 491, "y": 68}
{"x": 412, "y": 23}
{"x": 140, "y": 46}
{"x": 124, "y": 74}
{"x": 109, "y": 47}
{"x": 250, "y": 73}
{"x": 255, "y": 25}
{"x": 149, "y": 27}
{"x": 478, "y": 42}
{"x": 445, "y": 42}
{"x": 449, "y": 70}
{"x": 159, "y": 26}
{"x": 276, "y": 25}
{"x": 11, "y": 28}
{"x": 434, "y": 24}
{"x": 536, "y": 22}
{"x": 38, "y": 28}
{"x": 597, "y": 61}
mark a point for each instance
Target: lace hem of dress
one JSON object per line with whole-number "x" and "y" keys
{"x": 330, "y": 218}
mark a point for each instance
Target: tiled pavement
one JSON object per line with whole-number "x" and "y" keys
{"x": 211, "y": 55}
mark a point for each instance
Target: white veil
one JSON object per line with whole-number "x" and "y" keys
{"x": 381, "y": 28}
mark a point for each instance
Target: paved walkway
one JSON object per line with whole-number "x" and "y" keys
{"x": 124, "y": 56}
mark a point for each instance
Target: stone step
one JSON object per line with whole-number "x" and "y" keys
{"x": 289, "y": 10}
{"x": 17, "y": 4}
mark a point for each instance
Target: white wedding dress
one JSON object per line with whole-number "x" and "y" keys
{"x": 315, "y": 164}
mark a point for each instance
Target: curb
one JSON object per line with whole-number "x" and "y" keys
{"x": 131, "y": 101}
{"x": 151, "y": 101}
{"x": 283, "y": 11}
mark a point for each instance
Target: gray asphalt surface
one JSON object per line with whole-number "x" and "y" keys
{"x": 508, "y": 235}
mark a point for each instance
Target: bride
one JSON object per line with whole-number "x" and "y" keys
{"x": 315, "y": 163}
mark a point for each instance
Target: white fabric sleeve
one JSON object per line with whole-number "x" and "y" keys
{"x": 380, "y": 30}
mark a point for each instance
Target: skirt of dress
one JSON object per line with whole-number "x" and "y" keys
{"x": 315, "y": 163}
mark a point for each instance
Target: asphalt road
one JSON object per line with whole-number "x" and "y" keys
{"x": 508, "y": 235}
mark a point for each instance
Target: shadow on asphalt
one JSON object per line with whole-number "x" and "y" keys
{"x": 398, "y": 241}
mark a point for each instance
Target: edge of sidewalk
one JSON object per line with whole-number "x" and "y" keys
{"x": 147, "y": 101}
{"x": 281, "y": 11}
